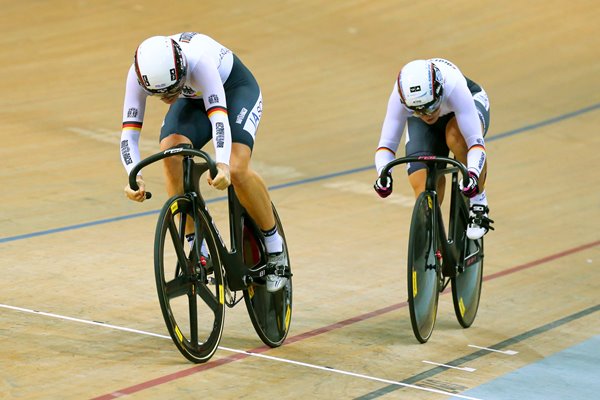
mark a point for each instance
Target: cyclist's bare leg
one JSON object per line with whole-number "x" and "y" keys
{"x": 173, "y": 170}
{"x": 250, "y": 188}
{"x": 457, "y": 145}
{"x": 252, "y": 193}
{"x": 417, "y": 181}
{"x": 418, "y": 178}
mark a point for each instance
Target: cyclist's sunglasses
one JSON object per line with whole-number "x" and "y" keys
{"x": 166, "y": 93}
{"x": 427, "y": 109}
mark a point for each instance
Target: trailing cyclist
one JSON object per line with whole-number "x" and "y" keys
{"x": 445, "y": 111}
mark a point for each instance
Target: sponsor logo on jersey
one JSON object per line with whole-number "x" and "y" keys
{"x": 224, "y": 51}
{"x": 481, "y": 161}
{"x": 253, "y": 118}
{"x": 190, "y": 92}
{"x": 241, "y": 115}
{"x": 132, "y": 112}
{"x": 255, "y": 115}
{"x": 187, "y": 36}
{"x": 443, "y": 61}
{"x": 220, "y": 134}
{"x": 125, "y": 152}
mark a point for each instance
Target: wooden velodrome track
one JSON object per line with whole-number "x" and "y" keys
{"x": 79, "y": 317}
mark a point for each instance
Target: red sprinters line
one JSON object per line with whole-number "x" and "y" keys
{"x": 541, "y": 261}
{"x": 236, "y": 357}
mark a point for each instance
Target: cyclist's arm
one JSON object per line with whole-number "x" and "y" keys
{"x": 468, "y": 122}
{"x": 207, "y": 76}
{"x": 134, "y": 107}
{"x": 391, "y": 132}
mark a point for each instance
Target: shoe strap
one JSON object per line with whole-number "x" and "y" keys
{"x": 480, "y": 218}
{"x": 479, "y": 208}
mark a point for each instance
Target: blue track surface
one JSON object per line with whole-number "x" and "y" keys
{"x": 573, "y": 373}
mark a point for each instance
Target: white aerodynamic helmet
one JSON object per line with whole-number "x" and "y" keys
{"x": 420, "y": 86}
{"x": 160, "y": 65}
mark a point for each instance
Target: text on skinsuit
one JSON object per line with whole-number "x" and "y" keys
{"x": 241, "y": 115}
{"x": 125, "y": 152}
{"x": 220, "y": 134}
{"x": 481, "y": 161}
{"x": 132, "y": 112}
{"x": 256, "y": 114}
{"x": 187, "y": 36}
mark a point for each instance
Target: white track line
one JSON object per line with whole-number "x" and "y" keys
{"x": 337, "y": 371}
{"x": 466, "y": 369}
{"x": 353, "y": 374}
{"x": 507, "y": 352}
{"x": 83, "y": 321}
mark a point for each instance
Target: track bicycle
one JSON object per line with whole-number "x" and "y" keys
{"x": 437, "y": 257}
{"x": 193, "y": 289}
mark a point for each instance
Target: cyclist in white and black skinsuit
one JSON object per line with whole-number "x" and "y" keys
{"x": 212, "y": 95}
{"x": 444, "y": 111}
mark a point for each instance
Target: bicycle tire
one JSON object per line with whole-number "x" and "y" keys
{"x": 192, "y": 301}
{"x": 270, "y": 313}
{"x": 467, "y": 285}
{"x": 423, "y": 272}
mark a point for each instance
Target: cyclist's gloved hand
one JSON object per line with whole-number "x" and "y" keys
{"x": 473, "y": 187}
{"x": 383, "y": 191}
{"x": 223, "y": 178}
{"x": 136, "y": 195}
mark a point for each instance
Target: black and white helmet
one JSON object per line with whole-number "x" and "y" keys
{"x": 160, "y": 65}
{"x": 420, "y": 86}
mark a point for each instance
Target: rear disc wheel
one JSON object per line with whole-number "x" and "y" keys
{"x": 270, "y": 313}
{"x": 466, "y": 285}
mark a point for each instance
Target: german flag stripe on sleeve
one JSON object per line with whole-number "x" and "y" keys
{"x": 211, "y": 111}
{"x": 478, "y": 146}
{"x": 385, "y": 148}
{"x": 132, "y": 125}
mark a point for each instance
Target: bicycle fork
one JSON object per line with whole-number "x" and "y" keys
{"x": 435, "y": 252}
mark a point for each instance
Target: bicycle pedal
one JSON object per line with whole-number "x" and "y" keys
{"x": 283, "y": 272}
{"x": 205, "y": 263}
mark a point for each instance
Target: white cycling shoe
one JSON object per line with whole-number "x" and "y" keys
{"x": 276, "y": 281}
{"x": 479, "y": 222}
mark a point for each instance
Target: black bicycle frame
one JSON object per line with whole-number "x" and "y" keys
{"x": 453, "y": 243}
{"x": 239, "y": 276}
